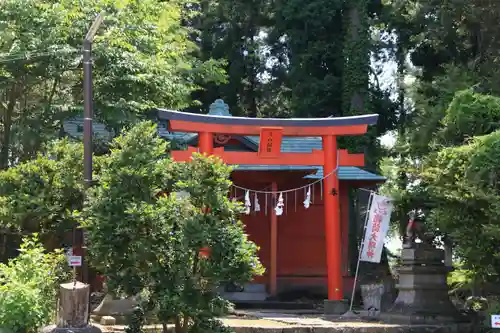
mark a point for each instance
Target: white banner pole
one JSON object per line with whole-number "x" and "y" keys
{"x": 360, "y": 249}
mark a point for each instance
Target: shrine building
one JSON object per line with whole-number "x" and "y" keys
{"x": 309, "y": 246}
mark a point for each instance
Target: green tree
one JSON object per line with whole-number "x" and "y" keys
{"x": 451, "y": 46}
{"x": 147, "y": 239}
{"x": 447, "y": 46}
{"x": 143, "y": 58}
{"x": 320, "y": 65}
{"x": 290, "y": 59}
{"x": 307, "y": 44}
{"x": 456, "y": 185}
{"x": 233, "y": 31}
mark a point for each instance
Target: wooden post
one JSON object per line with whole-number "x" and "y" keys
{"x": 274, "y": 245}
{"x": 73, "y": 305}
{"x": 332, "y": 220}
{"x": 344, "y": 222}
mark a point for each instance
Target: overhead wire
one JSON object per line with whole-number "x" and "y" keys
{"x": 6, "y": 57}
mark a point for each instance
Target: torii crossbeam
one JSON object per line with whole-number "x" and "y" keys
{"x": 271, "y": 132}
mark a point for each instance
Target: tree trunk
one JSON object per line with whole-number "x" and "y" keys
{"x": 251, "y": 63}
{"x": 356, "y": 59}
{"x": 73, "y": 305}
{"x": 402, "y": 178}
{"x": 7, "y": 127}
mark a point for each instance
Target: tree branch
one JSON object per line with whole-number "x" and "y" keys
{"x": 375, "y": 75}
{"x": 52, "y": 92}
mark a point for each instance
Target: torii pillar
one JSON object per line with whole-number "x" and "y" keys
{"x": 332, "y": 219}
{"x": 271, "y": 132}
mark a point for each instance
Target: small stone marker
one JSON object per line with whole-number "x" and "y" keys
{"x": 495, "y": 321}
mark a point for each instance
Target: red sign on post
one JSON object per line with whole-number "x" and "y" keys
{"x": 270, "y": 142}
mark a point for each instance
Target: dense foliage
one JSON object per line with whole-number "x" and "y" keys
{"x": 136, "y": 209}
{"x": 456, "y": 184}
{"x": 40, "y": 195}
{"x": 462, "y": 183}
{"x": 29, "y": 286}
{"x": 143, "y": 57}
{"x": 468, "y": 115}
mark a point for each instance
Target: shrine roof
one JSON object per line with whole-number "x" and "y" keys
{"x": 368, "y": 119}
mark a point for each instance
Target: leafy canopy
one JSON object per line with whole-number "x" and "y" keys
{"x": 143, "y": 57}
{"x": 470, "y": 114}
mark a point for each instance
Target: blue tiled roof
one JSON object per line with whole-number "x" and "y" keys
{"x": 349, "y": 173}
{"x": 345, "y": 172}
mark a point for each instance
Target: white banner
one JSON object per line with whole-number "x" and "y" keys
{"x": 377, "y": 227}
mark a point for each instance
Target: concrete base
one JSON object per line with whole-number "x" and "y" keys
{"x": 335, "y": 307}
{"x": 86, "y": 329}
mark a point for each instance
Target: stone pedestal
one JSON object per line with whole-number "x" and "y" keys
{"x": 423, "y": 291}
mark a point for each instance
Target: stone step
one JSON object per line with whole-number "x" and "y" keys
{"x": 273, "y": 305}
{"x": 244, "y": 296}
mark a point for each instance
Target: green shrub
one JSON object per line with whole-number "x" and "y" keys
{"x": 470, "y": 114}
{"x": 28, "y": 287}
{"x": 146, "y": 239}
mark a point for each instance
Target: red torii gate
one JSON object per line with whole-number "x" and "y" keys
{"x": 271, "y": 132}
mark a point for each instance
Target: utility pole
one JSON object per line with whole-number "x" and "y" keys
{"x": 87, "y": 100}
{"x": 78, "y": 239}
{"x": 74, "y": 297}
